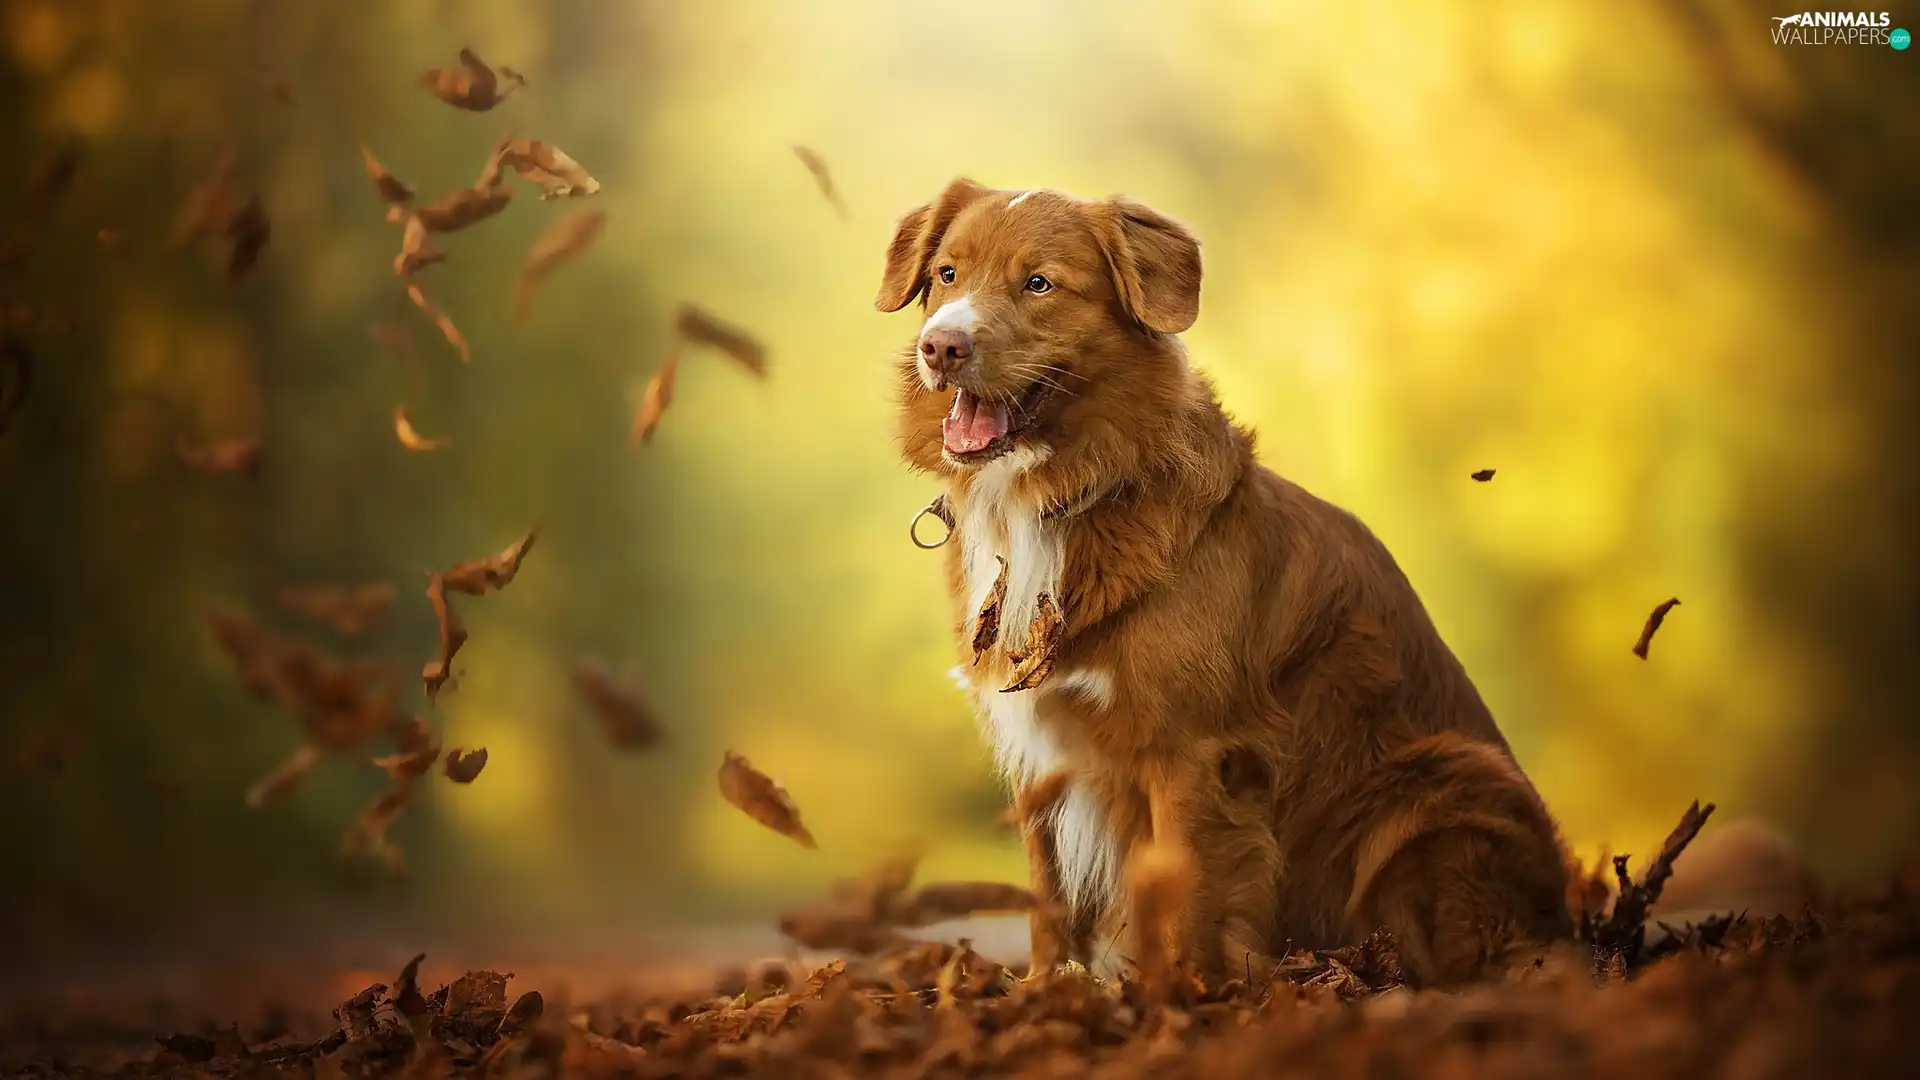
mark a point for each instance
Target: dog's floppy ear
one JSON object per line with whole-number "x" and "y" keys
{"x": 1155, "y": 261}
{"x": 918, "y": 235}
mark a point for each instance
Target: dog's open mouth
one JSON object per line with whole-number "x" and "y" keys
{"x": 978, "y": 430}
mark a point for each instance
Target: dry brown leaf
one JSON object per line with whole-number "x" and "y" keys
{"x": 762, "y": 799}
{"x": 562, "y": 242}
{"x": 482, "y": 576}
{"x": 659, "y": 395}
{"x": 831, "y": 928}
{"x": 366, "y": 838}
{"x": 393, "y": 190}
{"x": 548, "y": 166}
{"x": 698, "y": 327}
{"x": 349, "y": 610}
{"x": 284, "y": 778}
{"x": 211, "y": 203}
{"x": 817, "y": 165}
{"x": 410, "y": 437}
{"x": 407, "y": 999}
{"x": 949, "y": 900}
{"x": 233, "y": 456}
{"x": 986, "y": 625}
{"x": 417, "y": 249}
{"x": 415, "y": 751}
{"x": 1653, "y": 626}
{"x": 823, "y": 977}
{"x": 1035, "y": 662}
{"x": 629, "y": 721}
{"x": 1482, "y": 475}
{"x": 463, "y": 766}
{"x": 464, "y": 207}
{"x": 453, "y": 634}
{"x": 441, "y": 321}
{"x": 473, "y": 85}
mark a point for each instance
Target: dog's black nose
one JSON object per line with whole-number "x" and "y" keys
{"x": 946, "y": 351}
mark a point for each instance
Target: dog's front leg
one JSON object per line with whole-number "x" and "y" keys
{"x": 1160, "y": 876}
{"x": 1050, "y": 925}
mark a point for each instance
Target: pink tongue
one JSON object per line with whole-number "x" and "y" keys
{"x": 971, "y": 425}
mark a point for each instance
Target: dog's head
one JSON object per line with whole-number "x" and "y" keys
{"x": 1044, "y": 312}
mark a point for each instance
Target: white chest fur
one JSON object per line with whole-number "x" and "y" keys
{"x": 996, "y": 521}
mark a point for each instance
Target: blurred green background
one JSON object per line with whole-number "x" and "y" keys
{"x": 1655, "y": 270}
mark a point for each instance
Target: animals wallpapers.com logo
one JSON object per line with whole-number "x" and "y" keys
{"x": 1839, "y": 28}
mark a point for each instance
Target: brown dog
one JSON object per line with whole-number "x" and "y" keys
{"x": 1256, "y": 735}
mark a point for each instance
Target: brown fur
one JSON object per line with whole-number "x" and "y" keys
{"x": 1292, "y": 755}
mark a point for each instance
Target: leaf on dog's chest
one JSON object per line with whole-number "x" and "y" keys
{"x": 698, "y": 327}
{"x": 986, "y": 625}
{"x": 1034, "y": 663}
{"x": 760, "y": 798}
{"x": 659, "y": 395}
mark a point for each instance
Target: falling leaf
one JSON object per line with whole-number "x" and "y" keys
{"x": 1653, "y": 626}
{"x": 817, "y": 165}
{"x": 1483, "y": 475}
{"x": 463, "y": 766}
{"x": 482, "y": 576}
{"x": 349, "y": 610}
{"x": 233, "y": 456}
{"x": 453, "y": 634}
{"x": 654, "y": 403}
{"x": 248, "y": 231}
{"x": 16, "y": 377}
{"x": 986, "y": 625}
{"x": 629, "y": 721}
{"x": 548, "y": 166}
{"x": 763, "y": 800}
{"x": 562, "y": 242}
{"x": 1034, "y": 663}
{"x": 695, "y": 325}
{"x": 284, "y": 778}
{"x": 211, "y": 203}
{"x": 440, "y": 320}
{"x": 459, "y": 209}
{"x": 411, "y": 438}
{"x": 416, "y": 751}
{"x": 393, "y": 191}
{"x": 951, "y": 900}
{"x": 473, "y": 85}
{"x": 417, "y": 250}
{"x": 366, "y": 838}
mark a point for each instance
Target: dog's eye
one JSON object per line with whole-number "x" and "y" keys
{"x": 946, "y": 275}
{"x": 1037, "y": 284}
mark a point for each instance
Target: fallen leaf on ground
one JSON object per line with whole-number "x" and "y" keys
{"x": 473, "y": 85}
{"x": 817, "y": 165}
{"x": 1034, "y": 663}
{"x": 760, "y": 798}
{"x": 463, "y": 766}
{"x": 410, "y": 437}
{"x": 658, "y": 396}
{"x": 562, "y": 242}
{"x": 482, "y": 576}
{"x": 233, "y": 456}
{"x": 349, "y": 610}
{"x": 629, "y": 721}
{"x": 695, "y": 325}
{"x": 549, "y": 167}
{"x": 986, "y": 625}
{"x": 1653, "y": 626}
